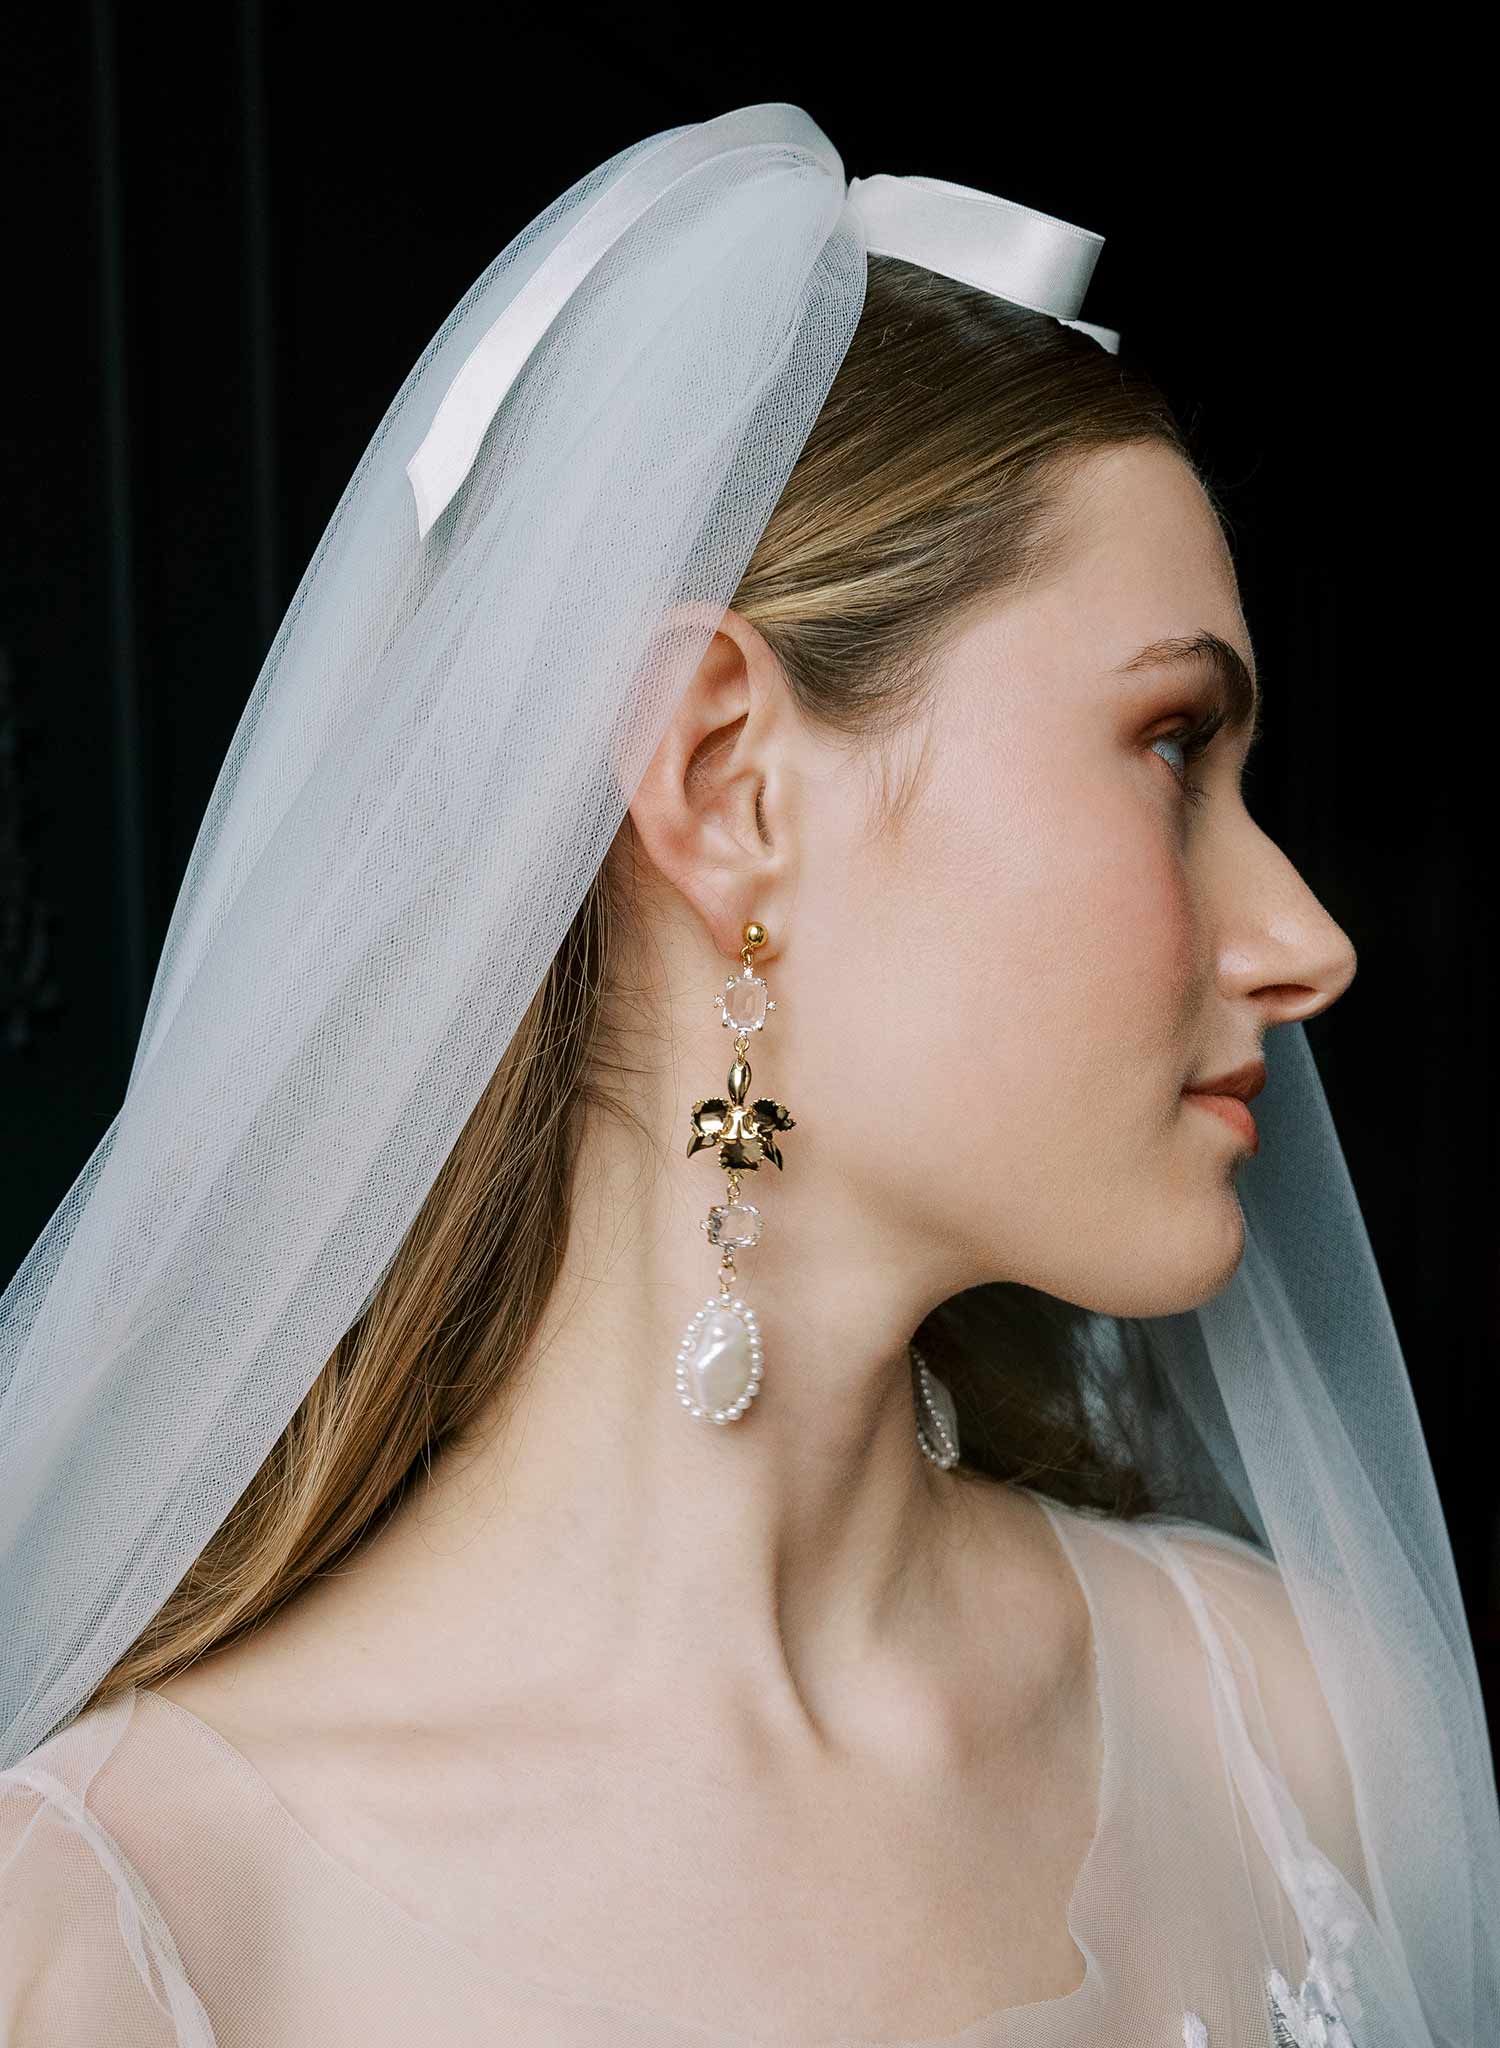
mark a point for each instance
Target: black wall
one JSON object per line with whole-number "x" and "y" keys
{"x": 234, "y": 229}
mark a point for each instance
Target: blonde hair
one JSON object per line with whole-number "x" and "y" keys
{"x": 930, "y": 482}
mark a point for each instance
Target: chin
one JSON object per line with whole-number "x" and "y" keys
{"x": 1180, "y": 1261}
{"x": 1220, "y": 1262}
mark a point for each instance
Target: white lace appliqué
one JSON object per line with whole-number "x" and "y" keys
{"x": 1320, "y": 2013}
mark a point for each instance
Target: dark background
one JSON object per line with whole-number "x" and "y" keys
{"x": 234, "y": 229}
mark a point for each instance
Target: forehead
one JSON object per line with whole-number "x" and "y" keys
{"x": 1142, "y": 564}
{"x": 1138, "y": 580}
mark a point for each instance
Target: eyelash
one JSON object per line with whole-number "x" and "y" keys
{"x": 1194, "y": 741}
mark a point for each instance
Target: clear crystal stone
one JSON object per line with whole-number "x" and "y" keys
{"x": 745, "y": 1002}
{"x": 734, "y": 1223}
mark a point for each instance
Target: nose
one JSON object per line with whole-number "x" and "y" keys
{"x": 1293, "y": 1002}
{"x": 1280, "y": 945}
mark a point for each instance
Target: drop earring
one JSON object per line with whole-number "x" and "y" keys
{"x": 719, "y": 1360}
{"x": 937, "y": 1417}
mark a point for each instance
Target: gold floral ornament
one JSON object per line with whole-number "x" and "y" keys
{"x": 743, "y": 1135}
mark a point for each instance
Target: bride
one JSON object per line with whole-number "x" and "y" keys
{"x": 886, "y": 1595}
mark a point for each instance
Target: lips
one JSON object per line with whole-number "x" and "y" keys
{"x": 1244, "y": 1082}
{"x": 1233, "y": 1111}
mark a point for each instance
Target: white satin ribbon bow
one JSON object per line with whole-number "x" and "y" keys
{"x": 996, "y": 244}
{"x": 1030, "y": 258}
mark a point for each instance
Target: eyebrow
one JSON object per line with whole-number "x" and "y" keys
{"x": 1207, "y": 650}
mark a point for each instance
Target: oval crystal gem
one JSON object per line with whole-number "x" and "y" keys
{"x": 718, "y": 1358}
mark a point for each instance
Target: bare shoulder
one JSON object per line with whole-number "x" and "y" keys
{"x": 238, "y": 1681}
{"x": 275, "y": 1696}
{"x": 1231, "y": 1587}
{"x": 1027, "y": 1599}
{"x": 1242, "y": 1597}
{"x": 312, "y": 1742}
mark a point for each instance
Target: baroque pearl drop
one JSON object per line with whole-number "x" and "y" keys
{"x": 719, "y": 1363}
{"x": 719, "y": 1360}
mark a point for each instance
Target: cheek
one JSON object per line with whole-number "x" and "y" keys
{"x": 1013, "y": 981}
{"x": 1079, "y": 938}
{"x": 1126, "y": 928}
{"x": 1054, "y": 963}
{"x": 1005, "y": 997}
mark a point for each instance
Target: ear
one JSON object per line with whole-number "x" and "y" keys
{"x": 709, "y": 812}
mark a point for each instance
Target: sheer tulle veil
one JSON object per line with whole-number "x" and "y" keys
{"x": 470, "y": 680}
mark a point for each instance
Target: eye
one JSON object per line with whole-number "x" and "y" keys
{"x": 1194, "y": 740}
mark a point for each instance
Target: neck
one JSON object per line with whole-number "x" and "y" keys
{"x": 597, "y": 1543}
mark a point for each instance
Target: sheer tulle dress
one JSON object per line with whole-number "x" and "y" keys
{"x": 155, "y": 1892}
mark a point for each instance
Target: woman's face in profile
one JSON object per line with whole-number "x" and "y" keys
{"x": 1018, "y": 982}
